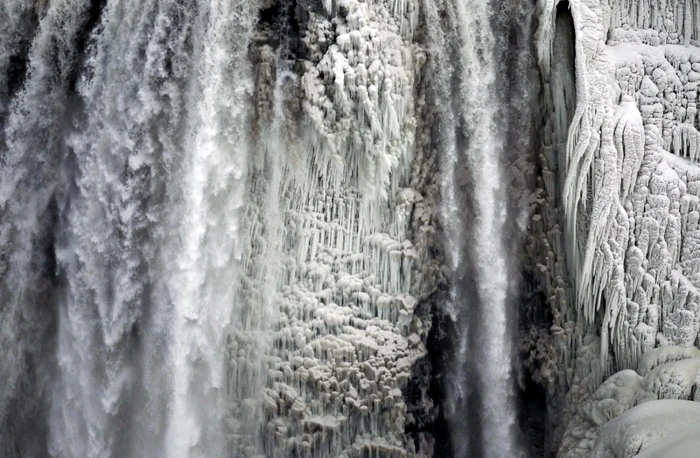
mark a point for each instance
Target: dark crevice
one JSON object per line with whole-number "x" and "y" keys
{"x": 535, "y": 320}
{"x": 426, "y": 391}
{"x": 559, "y": 106}
{"x": 94, "y": 14}
{"x": 563, "y": 78}
{"x": 282, "y": 25}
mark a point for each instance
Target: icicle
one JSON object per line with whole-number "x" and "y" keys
{"x": 686, "y": 142}
{"x": 629, "y": 141}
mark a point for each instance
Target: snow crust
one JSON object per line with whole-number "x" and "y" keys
{"x": 653, "y": 429}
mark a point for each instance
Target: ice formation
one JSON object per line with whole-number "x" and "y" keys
{"x": 614, "y": 236}
{"x": 233, "y": 228}
{"x": 354, "y": 227}
{"x": 634, "y": 413}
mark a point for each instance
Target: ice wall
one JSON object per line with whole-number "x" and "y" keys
{"x": 339, "y": 226}
{"x": 613, "y": 240}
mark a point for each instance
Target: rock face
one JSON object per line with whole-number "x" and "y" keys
{"x": 614, "y": 240}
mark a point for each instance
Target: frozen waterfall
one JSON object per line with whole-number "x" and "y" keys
{"x": 226, "y": 226}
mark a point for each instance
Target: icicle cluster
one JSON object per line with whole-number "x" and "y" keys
{"x": 214, "y": 237}
{"x": 619, "y": 177}
{"x": 336, "y": 233}
{"x": 662, "y": 22}
{"x": 634, "y": 102}
{"x": 358, "y": 93}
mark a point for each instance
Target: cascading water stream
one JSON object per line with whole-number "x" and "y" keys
{"x": 138, "y": 163}
{"x": 218, "y": 229}
{"x": 473, "y": 143}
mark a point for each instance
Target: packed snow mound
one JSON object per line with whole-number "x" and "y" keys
{"x": 673, "y": 447}
{"x": 663, "y": 355}
{"x": 653, "y": 428}
{"x": 619, "y": 418}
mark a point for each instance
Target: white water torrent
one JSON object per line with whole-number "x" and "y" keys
{"x": 483, "y": 150}
{"x": 475, "y": 190}
{"x": 225, "y": 226}
{"x": 484, "y": 161}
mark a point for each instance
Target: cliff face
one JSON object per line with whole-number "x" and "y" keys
{"x": 614, "y": 233}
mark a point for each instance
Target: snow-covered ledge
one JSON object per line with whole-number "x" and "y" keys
{"x": 646, "y": 410}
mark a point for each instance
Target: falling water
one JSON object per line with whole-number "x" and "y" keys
{"x": 128, "y": 139}
{"x": 474, "y": 143}
{"x": 216, "y": 236}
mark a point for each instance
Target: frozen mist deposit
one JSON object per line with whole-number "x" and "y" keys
{"x": 612, "y": 244}
{"x": 349, "y": 228}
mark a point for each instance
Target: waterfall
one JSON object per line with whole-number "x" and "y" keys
{"x": 205, "y": 302}
{"x": 222, "y": 226}
{"x": 478, "y": 199}
{"x": 125, "y": 161}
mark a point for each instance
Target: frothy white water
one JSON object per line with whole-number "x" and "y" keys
{"x": 206, "y": 282}
{"x": 472, "y": 164}
{"x": 30, "y": 156}
{"x": 495, "y": 348}
{"x": 114, "y": 326}
{"x": 140, "y": 168}
{"x": 484, "y": 162}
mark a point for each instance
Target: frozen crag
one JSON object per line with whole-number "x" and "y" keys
{"x": 615, "y": 242}
{"x": 339, "y": 223}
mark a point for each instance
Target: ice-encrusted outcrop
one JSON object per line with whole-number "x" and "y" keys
{"x": 614, "y": 237}
{"x": 337, "y": 233}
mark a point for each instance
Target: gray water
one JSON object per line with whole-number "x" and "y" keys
{"x": 484, "y": 133}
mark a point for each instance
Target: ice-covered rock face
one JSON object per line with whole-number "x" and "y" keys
{"x": 339, "y": 224}
{"x": 615, "y": 237}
